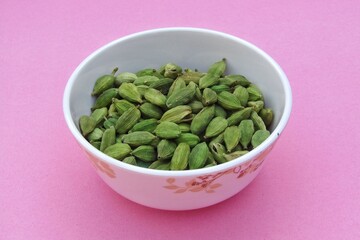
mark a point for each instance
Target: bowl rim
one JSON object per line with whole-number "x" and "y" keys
{"x": 203, "y": 171}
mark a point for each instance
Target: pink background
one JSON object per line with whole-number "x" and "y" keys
{"x": 309, "y": 187}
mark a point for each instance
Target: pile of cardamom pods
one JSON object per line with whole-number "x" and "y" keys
{"x": 176, "y": 119}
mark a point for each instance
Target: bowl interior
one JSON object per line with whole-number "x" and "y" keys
{"x": 189, "y": 48}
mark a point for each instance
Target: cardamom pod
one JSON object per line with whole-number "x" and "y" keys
{"x": 138, "y": 138}
{"x": 146, "y": 72}
{"x": 259, "y": 137}
{"x": 118, "y": 150}
{"x": 104, "y": 83}
{"x": 155, "y": 97}
{"x": 234, "y": 80}
{"x": 108, "y": 138}
{"x": 99, "y": 115}
{"x": 218, "y": 151}
{"x": 95, "y": 135}
{"x": 87, "y": 124}
{"x": 232, "y": 136}
{"x": 150, "y": 110}
{"x": 180, "y": 159}
{"x": 256, "y": 105}
{"x": 167, "y": 130}
{"x": 191, "y": 77}
{"x": 247, "y": 130}
{"x": 163, "y": 85}
{"x": 175, "y": 86}
{"x": 217, "y": 68}
{"x": 236, "y": 154}
{"x": 105, "y": 98}
{"x": 229, "y": 101}
{"x": 202, "y": 119}
{"x": 209, "y": 97}
{"x": 110, "y": 122}
{"x": 238, "y": 116}
{"x": 125, "y": 77}
{"x": 142, "y": 89}
{"x": 184, "y": 127}
{"x": 220, "y": 111}
{"x": 180, "y": 97}
{"x": 121, "y": 105}
{"x": 254, "y": 93}
{"x": 242, "y": 94}
{"x": 220, "y": 88}
{"x": 215, "y": 127}
{"x": 188, "y": 138}
{"x": 148, "y": 125}
{"x": 127, "y": 120}
{"x": 130, "y": 92}
{"x": 196, "y": 106}
{"x": 257, "y": 120}
{"x": 267, "y": 116}
{"x": 172, "y": 70}
{"x": 176, "y": 114}
{"x": 145, "y": 80}
{"x": 146, "y": 153}
{"x": 130, "y": 160}
{"x": 160, "y": 165}
{"x": 208, "y": 80}
{"x": 198, "y": 156}
{"x": 165, "y": 149}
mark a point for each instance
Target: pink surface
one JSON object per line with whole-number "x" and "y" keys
{"x": 309, "y": 187}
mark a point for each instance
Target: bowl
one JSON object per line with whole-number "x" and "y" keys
{"x": 189, "y": 48}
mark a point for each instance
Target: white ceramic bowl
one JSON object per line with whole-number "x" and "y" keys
{"x": 192, "y": 48}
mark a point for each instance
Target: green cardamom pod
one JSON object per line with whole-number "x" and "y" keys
{"x": 238, "y": 116}
{"x": 184, "y": 127}
{"x": 172, "y": 70}
{"x": 234, "y": 80}
{"x": 191, "y": 77}
{"x": 105, "y": 98}
{"x": 110, "y": 122}
{"x": 122, "y": 105}
{"x": 257, "y": 120}
{"x": 127, "y": 120}
{"x": 218, "y": 139}
{"x": 160, "y": 165}
{"x": 104, "y": 83}
{"x": 167, "y": 130}
{"x": 217, "y": 68}
{"x": 232, "y": 136}
{"x": 254, "y": 93}
{"x": 180, "y": 97}
{"x": 208, "y": 80}
{"x": 95, "y": 135}
{"x": 215, "y": 127}
{"x": 196, "y": 106}
{"x": 188, "y": 138}
{"x": 229, "y": 101}
{"x": 130, "y": 92}
{"x": 220, "y": 111}
{"x": 138, "y": 138}
{"x": 259, "y": 137}
{"x": 176, "y": 114}
{"x": 202, "y": 119}
{"x": 256, "y": 105}
{"x": 198, "y": 156}
{"x": 150, "y": 110}
{"x": 112, "y": 111}
{"x": 146, "y": 80}
{"x": 155, "y": 97}
{"x": 247, "y": 130}
{"x": 180, "y": 159}
{"x": 96, "y": 144}
{"x": 218, "y": 151}
{"x": 148, "y": 125}
{"x": 99, "y": 115}
{"x": 242, "y": 94}
{"x": 267, "y": 116}
{"x": 220, "y": 88}
{"x": 146, "y": 153}
{"x": 163, "y": 85}
{"x": 118, "y": 150}
{"x": 108, "y": 138}
{"x": 165, "y": 149}
{"x": 209, "y": 97}
{"x": 125, "y": 77}
{"x": 175, "y": 86}
{"x": 142, "y": 89}
{"x": 236, "y": 154}
{"x": 130, "y": 160}
{"x": 146, "y": 72}
{"x": 87, "y": 125}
